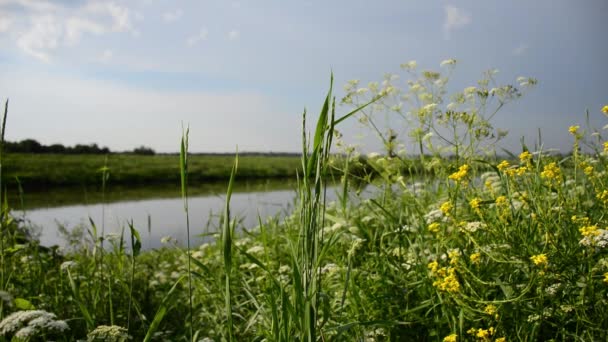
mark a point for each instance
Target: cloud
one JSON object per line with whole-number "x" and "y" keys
{"x": 44, "y": 35}
{"x": 52, "y": 25}
{"x": 106, "y": 56}
{"x": 520, "y": 50}
{"x": 5, "y": 23}
{"x": 196, "y": 38}
{"x": 234, "y": 35}
{"x": 75, "y": 27}
{"x": 455, "y": 18}
{"x": 172, "y": 16}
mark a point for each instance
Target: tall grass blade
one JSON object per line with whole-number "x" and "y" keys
{"x": 227, "y": 249}
{"x": 161, "y": 312}
{"x": 183, "y": 166}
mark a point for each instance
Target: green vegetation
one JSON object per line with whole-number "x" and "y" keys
{"x": 47, "y": 170}
{"x": 479, "y": 249}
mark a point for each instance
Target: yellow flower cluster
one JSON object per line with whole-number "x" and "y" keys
{"x": 503, "y": 165}
{"x": 447, "y": 280}
{"x": 525, "y": 157}
{"x": 450, "y": 338}
{"x": 501, "y": 201}
{"x": 446, "y": 207}
{"x": 461, "y": 174}
{"x": 605, "y": 109}
{"x": 434, "y": 227}
{"x": 474, "y": 204}
{"x": 603, "y": 197}
{"x": 606, "y": 146}
{"x": 552, "y": 172}
{"x": 589, "y": 231}
{"x": 482, "y": 334}
{"x": 540, "y": 259}
{"x": 574, "y": 130}
{"x": 606, "y": 277}
{"x": 475, "y": 258}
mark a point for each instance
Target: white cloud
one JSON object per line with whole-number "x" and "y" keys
{"x": 5, "y": 23}
{"x": 520, "y": 50}
{"x": 172, "y": 16}
{"x": 234, "y": 35}
{"x": 44, "y": 35}
{"x": 75, "y": 27}
{"x": 121, "y": 20}
{"x": 33, "y": 5}
{"x": 51, "y": 25}
{"x": 455, "y": 18}
{"x": 106, "y": 56}
{"x": 196, "y": 38}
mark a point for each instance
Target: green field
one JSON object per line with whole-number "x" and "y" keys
{"x": 475, "y": 248}
{"x": 48, "y": 170}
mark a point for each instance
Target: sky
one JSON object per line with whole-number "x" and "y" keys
{"x": 239, "y": 73}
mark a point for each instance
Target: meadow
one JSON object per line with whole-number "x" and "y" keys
{"x": 475, "y": 248}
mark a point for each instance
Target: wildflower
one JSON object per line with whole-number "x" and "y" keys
{"x": 540, "y": 259}
{"x": 503, "y": 165}
{"x": 446, "y": 207}
{"x": 66, "y": 265}
{"x": 450, "y": 61}
{"x": 460, "y": 174}
{"x": 606, "y": 277}
{"x": 490, "y": 310}
{"x": 475, "y": 258}
{"x": 574, "y": 130}
{"x": 449, "y": 283}
{"x": 606, "y": 146}
{"x": 501, "y": 339}
{"x": 603, "y": 197}
{"x": 472, "y": 227}
{"x": 433, "y": 266}
{"x": 434, "y": 227}
{"x": 605, "y": 109}
{"x": 474, "y": 203}
{"x": 551, "y": 172}
{"x": 501, "y": 201}
{"x": 483, "y": 333}
{"x": 108, "y": 333}
{"x": 255, "y": 250}
{"x": 590, "y": 230}
{"x": 453, "y": 255}
{"x": 525, "y": 157}
{"x": 450, "y": 338}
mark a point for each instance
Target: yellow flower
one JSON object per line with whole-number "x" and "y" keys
{"x": 591, "y": 230}
{"x": 501, "y": 339}
{"x": 606, "y": 146}
{"x": 525, "y": 157}
{"x": 540, "y": 259}
{"x": 501, "y": 201}
{"x": 483, "y": 334}
{"x": 603, "y": 197}
{"x": 606, "y": 277}
{"x": 490, "y": 310}
{"x": 605, "y": 109}
{"x": 574, "y": 130}
{"x": 450, "y": 338}
{"x": 503, "y": 165}
{"x": 551, "y": 172}
{"x": 474, "y": 203}
{"x": 589, "y": 169}
{"x": 433, "y": 266}
{"x": 434, "y": 227}
{"x": 475, "y": 258}
{"x": 460, "y": 174}
{"x": 446, "y": 207}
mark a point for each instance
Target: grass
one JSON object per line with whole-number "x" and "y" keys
{"x": 54, "y": 170}
{"x": 473, "y": 249}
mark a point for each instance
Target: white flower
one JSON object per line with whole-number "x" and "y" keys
{"x": 166, "y": 239}
{"x": 409, "y": 65}
{"x": 66, "y": 265}
{"x": 362, "y": 91}
{"x": 255, "y": 250}
{"x": 470, "y": 90}
{"x": 450, "y": 61}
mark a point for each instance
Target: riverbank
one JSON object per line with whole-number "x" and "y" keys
{"x": 35, "y": 171}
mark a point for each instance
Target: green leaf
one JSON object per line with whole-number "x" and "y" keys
{"x": 24, "y": 304}
{"x": 135, "y": 240}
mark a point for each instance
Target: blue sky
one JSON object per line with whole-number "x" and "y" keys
{"x": 128, "y": 73}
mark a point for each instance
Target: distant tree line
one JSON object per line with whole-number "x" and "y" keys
{"x": 33, "y": 146}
